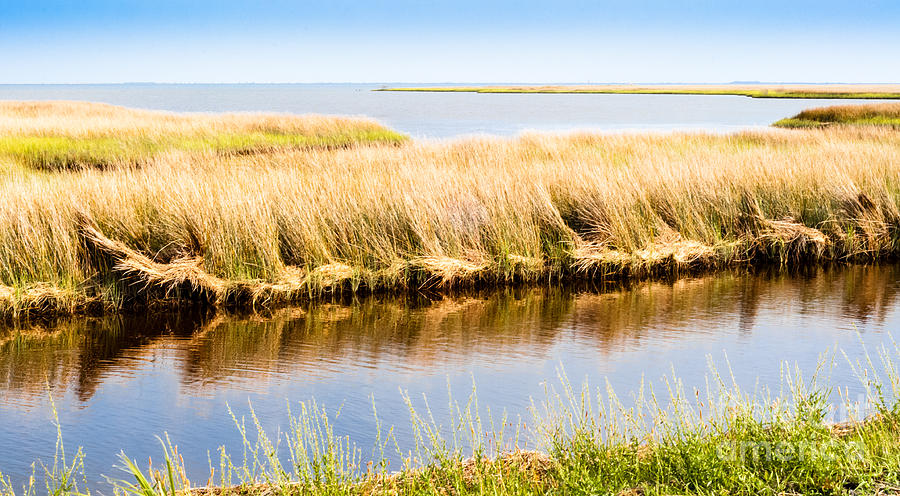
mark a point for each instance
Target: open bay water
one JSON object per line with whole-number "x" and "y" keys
{"x": 444, "y": 115}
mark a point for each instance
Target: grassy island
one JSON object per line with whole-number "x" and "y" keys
{"x": 168, "y": 210}
{"x": 827, "y": 91}
{"x": 884, "y": 114}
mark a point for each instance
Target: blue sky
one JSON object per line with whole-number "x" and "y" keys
{"x": 449, "y": 41}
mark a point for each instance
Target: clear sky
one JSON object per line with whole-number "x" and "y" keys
{"x": 449, "y": 41}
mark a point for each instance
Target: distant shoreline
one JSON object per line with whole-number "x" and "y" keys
{"x": 796, "y": 91}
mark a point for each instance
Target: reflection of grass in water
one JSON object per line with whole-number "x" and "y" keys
{"x": 34, "y": 358}
{"x": 671, "y": 441}
{"x": 71, "y": 354}
{"x": 419, "y": 334}
{"x": 425, "y": 334}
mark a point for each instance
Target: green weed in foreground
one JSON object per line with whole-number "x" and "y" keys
{"x": 579, "y": 441}
{"x": 61, "y": 477}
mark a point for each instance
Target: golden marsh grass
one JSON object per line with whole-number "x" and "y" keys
{"x": 258, "y": 229}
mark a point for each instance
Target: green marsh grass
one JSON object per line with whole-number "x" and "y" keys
{"x": 72, "y": 135}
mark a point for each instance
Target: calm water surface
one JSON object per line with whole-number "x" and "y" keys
{"x": 120, "y": 381}
{"x": 440, "y": 115}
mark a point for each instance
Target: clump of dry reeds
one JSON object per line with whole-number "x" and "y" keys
{"x": 229, "y": 229}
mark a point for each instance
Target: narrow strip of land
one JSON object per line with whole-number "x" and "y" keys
{"x": 827, "y": 91}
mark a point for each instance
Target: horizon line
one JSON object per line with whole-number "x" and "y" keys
{"x": 456, "y": 83}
